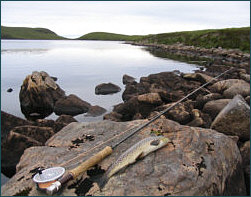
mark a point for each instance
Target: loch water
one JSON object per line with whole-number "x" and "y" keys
{"x": 79, "y": 67}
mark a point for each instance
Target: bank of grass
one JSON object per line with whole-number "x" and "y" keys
{"x": 109, "y": 36}
{"x": 28, "y": 33}
{"x": 230, "y": 38}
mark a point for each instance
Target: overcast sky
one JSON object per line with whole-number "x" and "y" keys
{"x": 74, "y": 19}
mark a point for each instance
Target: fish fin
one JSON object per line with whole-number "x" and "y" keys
{"x": 100, "y": 179}
{"x": 155, "y": 142}
{"x": 140, "y": 156}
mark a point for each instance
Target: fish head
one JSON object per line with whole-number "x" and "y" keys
{"x": 160, "y": 142}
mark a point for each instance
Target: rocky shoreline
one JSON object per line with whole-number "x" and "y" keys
{"x": 210, "y": 131}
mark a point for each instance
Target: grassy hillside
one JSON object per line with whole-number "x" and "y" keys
{"x": 108, "y": 36}
{"x": 28, "y": 33}
{"x": 226, "y": 38}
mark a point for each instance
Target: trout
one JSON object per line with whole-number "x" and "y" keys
{"x": 136, "y": 152}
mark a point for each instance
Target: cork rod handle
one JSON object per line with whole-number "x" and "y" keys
{"x": 91, "y": 162}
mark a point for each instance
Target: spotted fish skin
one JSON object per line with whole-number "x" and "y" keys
{"x": 137, "y": 151}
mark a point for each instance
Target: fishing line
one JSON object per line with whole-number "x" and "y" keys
{"x": 144, "y": 124}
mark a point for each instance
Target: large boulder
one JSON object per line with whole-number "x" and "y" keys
{"x": 214, "y": 107}
{"x": 200, "y": 162}
{"x": 38, "y": 94}
{"x": 107, "y": 88}
{"x": 201, "y": 100}
{"x": 71, "y": 105}
{"x": 234, "y": 119}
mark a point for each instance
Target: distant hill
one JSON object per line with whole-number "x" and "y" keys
{"x": 108, "y": 36}
{"x": 28, "y": 33}
{"x": 229, "y": 38}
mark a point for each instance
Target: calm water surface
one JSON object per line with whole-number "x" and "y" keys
{"x": 79, "y": 67}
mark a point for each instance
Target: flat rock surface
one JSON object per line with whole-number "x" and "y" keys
{"x": 197, "y": 163}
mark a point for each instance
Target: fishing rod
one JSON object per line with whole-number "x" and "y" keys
{"x": 52, "y": 179}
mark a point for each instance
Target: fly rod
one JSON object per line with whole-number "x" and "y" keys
{"x": 52, "y": 179}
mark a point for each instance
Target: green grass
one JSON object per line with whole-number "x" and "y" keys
{"x": 108, "y": 36}
{"x": 231, "y": 38}
{"x": 28, "y": 33}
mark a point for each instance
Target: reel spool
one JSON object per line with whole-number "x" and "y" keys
{"x": 45, "y": 178}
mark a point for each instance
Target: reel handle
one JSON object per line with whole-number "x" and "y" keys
{"x": 91, "y": 162}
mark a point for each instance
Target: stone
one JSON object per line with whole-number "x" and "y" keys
{"x": 221, "y": 86}
{"x": 128, "y": 79}
{"x": 203, "y": 78}
{"x": 10, "y": 90}
{"x": 245, "y": 153}
{"x": 113, "y": 116}
{"x": 201, "y": 100}
{"x": 67, "y": 119}
{"x": 234, "y": 119}
{"x": 214, "y": 107}
{"x": 40, "y": 134}
{"x": 242, "y": 89}
{"x": 95, "y": 111}
{"x": 150, "y": 98}
{"x": 245, "y": 77}
{"x": 38, "y": 95}
{"x": 182, "y": 112}
{"x": 107, "y": 88}
{"x": 177, "y": 169}
{"x": 9, "y": 121}
{"x": 71, "y": 105}
{"x": 12, "y": 149}
{"x": 247, "y": 99}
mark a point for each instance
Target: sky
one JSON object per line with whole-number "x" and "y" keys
{"x": 76, "y": 18}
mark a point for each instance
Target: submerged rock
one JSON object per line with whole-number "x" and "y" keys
{"x": 71, "y": 105}
{"x": 95, "y": 111}
{"x": 38, "y": 95}
{"x": 10, "y": 90}
{"x": 200, "y": 162}
{"x": 107, "y": 88}
{"x": 234, "y": 119}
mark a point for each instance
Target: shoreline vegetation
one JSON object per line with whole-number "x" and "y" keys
{"x": 229, "y": 38}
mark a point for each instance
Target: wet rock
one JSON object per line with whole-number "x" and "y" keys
{"x": 203, "y": 78}
{"x": 71, "y": 105}
{"x": 150, "y": 98}
{"x": 176, "y": 169}
{"x": 38, "y": 95}
{"x": 214, "y": 107}
{"x": 245, "y": 153}
{"x": 95, "y": 111}
{"x": 128, "y": 79}
{"x": 67, "y": 119}
{"x": 234, "y": 119}
{"x": 10, "y": 90}
{"x": 12, "y": 149}
{"x": 107, "y": 88}
{"x": 201, "y": 100}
